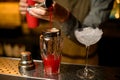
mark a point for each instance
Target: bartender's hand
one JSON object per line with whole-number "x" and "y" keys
{"x": 59, "y": 13}
{"x": 23, "y": 6}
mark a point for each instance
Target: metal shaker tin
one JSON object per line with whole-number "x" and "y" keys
{"x": 51, "y": 41}
{"x": 26, "y": 63}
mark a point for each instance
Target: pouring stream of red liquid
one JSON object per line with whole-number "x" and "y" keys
{"x": 51, "y": 16}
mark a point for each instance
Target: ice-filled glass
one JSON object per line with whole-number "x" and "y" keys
{"x": 88, "y": 36}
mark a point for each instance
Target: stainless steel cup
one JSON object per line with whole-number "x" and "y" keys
{"x": 26, "y": 63}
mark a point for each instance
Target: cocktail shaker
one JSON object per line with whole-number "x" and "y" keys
{"x": 45, "y": 4}
{"x": 50, "y": 41}
{"x": 50, "y": 46}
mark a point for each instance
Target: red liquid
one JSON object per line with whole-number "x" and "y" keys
{"x": 50, "y": 14}
{"x": 51, "y": 64}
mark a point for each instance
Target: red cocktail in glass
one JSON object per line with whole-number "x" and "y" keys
{"x": 50, "y": 46}
{"x": 51, "y": 63}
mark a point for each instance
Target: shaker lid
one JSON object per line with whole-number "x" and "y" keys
{"x": 52, "y": 32}
{"x": 25, "y": 53}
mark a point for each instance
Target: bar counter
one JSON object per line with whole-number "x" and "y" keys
{"x": 9, "y": 71}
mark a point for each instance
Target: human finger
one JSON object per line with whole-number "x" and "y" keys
{"x": 39, "y": 11}
{"x": 39, "y": 14}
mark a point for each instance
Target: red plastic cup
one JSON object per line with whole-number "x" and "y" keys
{"x": 32, "y": 21}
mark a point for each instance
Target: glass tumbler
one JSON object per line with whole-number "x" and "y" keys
{"x": 50, "y": 46}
